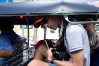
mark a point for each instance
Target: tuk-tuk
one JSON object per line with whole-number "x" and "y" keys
{"x": 26, "y": 13}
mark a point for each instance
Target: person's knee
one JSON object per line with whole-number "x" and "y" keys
{"x": 40, "y": 52}
{"x": 32, "y": 63}
{"x": 37, "y": 63}
{"x": 42, "y": 49}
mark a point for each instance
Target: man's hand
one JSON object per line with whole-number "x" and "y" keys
{"x": 49, "y": 54}
{"x": 77, "y": 59}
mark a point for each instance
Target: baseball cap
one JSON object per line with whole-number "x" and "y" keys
{"x": 41, "y": 21}
{"x": 37, "y": 23}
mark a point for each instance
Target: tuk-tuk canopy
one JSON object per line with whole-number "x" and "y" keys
{"x": 50, "y": 7}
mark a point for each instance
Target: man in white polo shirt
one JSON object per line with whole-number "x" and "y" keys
{"x": 75, "y": 39}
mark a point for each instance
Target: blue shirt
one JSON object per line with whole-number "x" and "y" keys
{"x": 7, "y": 40}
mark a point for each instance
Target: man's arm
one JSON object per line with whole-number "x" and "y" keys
{"x": 5, "y": 53}
{"x": 77, "y": 59}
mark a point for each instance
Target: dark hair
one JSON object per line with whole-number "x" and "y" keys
{"x": 55, "y": 17}
{"x": 85, "y": 17}
{"x": 6, "y": 23}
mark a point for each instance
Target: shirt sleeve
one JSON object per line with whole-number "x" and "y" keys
{"x": 5, "y": 43}
{"x": 74, "y": 39}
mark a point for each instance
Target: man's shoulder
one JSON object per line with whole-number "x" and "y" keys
{"x": 74, "y": 27}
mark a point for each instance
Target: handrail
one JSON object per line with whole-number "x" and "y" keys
{"x": 16, "y": 61}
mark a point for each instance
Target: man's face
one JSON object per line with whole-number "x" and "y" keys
{"x": 51, "y": 23}
{"x": 89, "y": 27}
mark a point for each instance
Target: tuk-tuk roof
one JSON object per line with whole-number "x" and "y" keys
{"x": 49, "y": 7}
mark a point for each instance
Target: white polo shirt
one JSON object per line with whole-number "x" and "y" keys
{"x": 77, "y": 39}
